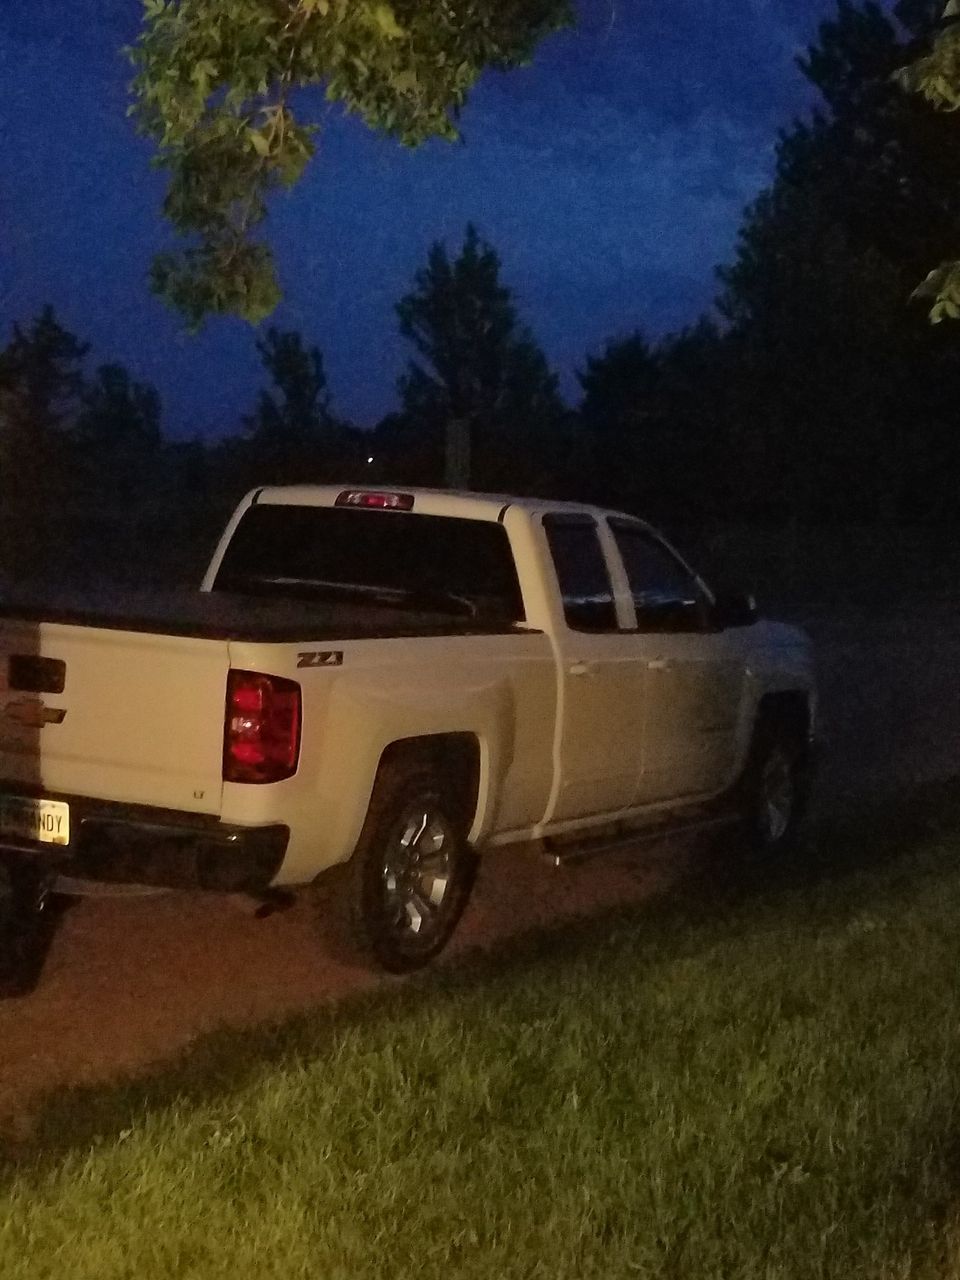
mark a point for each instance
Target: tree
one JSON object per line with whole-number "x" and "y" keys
{"x": 117, "y": 410}
{"x": 293, "y": 434}
{"x": 618, "y": 386}
{"x": 298, "y": 409}
{"x": 41, "y": 376}
{"x": 870, "y": 146}
{"x": 936, "y": 77}
{"x": 214, "y": 87}
{"x": 41, "y": 386}
{"x": 650, "y": 416}
{"x": 118, "y": 441}
{"x": 815, "y": 350}
{"x": 832, "y": 374}
{"x": 479, "y": 369}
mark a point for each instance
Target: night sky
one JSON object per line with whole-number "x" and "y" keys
{"x": 610, "y": 176}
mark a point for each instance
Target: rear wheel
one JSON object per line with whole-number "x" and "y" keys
{"x": 408, "y": 882}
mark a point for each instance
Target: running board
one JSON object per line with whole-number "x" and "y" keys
{"x": 565, "y": 853}
{"x": 77, "y": 887}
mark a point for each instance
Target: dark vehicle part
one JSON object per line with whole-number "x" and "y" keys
{"x": 773, "y": 793}
{"x": 27, "y": 920}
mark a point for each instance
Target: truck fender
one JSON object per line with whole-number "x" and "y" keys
{"x": 406, "y": 717}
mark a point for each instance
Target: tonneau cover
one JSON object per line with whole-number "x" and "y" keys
{"x": 220, "y": 616}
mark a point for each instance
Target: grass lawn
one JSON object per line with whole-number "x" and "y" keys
{"x": 757, "y": 1078}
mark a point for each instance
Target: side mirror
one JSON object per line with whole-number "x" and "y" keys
{"x": 735, "y": 609}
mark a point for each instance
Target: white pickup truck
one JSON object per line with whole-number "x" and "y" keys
{"x": 386, "y": 682}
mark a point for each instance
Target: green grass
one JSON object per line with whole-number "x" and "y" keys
{"x": 752, "y": 1079}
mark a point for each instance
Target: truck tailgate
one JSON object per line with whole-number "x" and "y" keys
{"x": 139, "y": 718}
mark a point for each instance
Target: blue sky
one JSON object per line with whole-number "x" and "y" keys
{"x": 610, "y": 175}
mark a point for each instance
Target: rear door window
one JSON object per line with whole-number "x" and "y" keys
{"x": 582, "y": 573}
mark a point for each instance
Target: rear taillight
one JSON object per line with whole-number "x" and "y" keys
{"x": 261, "y": 741}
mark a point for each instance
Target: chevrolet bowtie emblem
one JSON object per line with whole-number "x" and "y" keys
{"x": 31, "y": 713}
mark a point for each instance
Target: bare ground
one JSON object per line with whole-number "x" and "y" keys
{"x": 131, "y": 981}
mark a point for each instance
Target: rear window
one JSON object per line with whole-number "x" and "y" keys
{"x": 428, "y": 563}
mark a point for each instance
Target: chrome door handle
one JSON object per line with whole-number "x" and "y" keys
{"x": 582, "y": 668}
{"x": 659, "y": 664}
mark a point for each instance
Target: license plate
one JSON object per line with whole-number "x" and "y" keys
{"x": 46, "y": 821}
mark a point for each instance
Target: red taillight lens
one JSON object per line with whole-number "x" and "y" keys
{"x": 261, "y": 741}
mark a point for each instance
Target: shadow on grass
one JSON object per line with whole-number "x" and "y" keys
{"x": 847, "y": 863}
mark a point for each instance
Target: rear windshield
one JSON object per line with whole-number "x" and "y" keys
{"x": 462, "y": 568}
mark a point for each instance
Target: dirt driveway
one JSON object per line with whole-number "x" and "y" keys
{"x": 133, "y": 980}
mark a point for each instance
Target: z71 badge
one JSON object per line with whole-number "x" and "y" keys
{"x": 333, "y": 658}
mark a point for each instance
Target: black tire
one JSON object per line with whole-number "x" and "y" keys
{"x": 402, "y": 894}
{"x": 773, "y": 793}
{"x": 25, "y": 927}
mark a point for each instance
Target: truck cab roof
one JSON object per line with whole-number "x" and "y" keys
{"x": 439, "y": 502}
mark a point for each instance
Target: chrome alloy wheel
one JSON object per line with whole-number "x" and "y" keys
{"x": 777, "y": 795}
{"x": 418, "y": 867}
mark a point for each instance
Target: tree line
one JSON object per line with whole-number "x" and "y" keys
{"x": 814, "y": 391}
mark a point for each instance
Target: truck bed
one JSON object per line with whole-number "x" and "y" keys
{"x": 220, "y": 616}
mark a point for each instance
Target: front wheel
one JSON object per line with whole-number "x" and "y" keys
{"x": 410, "y": 877}
{"x": 774, "y": 790}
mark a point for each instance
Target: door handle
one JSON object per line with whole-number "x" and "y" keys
{"x": 582, "y": 668}
{"x": 659, "y": 664}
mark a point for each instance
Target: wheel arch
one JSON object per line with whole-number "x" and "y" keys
{"x": 457, "y": 759}
{"x": 788, "y": 710}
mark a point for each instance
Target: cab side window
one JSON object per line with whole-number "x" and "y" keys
{"x": 582, "y": 573}
{"x": 665, "y": 594}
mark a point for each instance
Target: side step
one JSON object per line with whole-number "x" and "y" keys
{"x": 567, "y": 851}
{"x": 76, "y": 887}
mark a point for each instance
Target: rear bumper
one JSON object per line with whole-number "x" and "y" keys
{"x": 115, "y": 844}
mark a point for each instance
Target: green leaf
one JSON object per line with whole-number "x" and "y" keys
{"x": 406, "y": 81}
{"x": 387, "y": 24}
{"x": 203, "y": 70}
{"x": 261, "y": 143}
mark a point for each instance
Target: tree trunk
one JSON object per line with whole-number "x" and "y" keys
{"x": 456, "y": 474}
